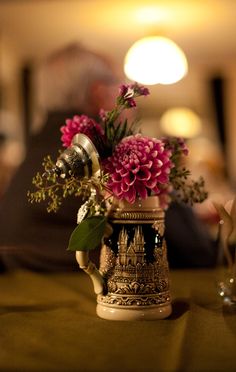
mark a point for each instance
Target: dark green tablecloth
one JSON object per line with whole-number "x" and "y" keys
{"x": 48, "y": 322}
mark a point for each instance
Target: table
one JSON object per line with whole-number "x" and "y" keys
{"x": 48, "y": 322}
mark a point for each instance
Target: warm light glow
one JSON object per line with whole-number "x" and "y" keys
{"x": 181, "y": 122}
{"x": 155, "y": 60}
{"x": 150, "y": 14}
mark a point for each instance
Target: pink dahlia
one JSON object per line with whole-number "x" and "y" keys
{"x": 139, "y": 166}
{"x": 80, "y": 124}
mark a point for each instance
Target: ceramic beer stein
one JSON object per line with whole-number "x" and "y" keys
{"x": 132, "y": 282}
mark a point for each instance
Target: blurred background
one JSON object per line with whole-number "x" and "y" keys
{"x": 205, "y": 30}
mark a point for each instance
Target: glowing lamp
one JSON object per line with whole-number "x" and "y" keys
{"x": 181, "y": 122}
{"x": 155, "y": 60}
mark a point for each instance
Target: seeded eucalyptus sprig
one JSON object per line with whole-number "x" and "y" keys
{"x": 53, "y": 189}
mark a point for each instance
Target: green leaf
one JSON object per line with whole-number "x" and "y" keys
{"x": 121, "y": 130}
{"x": 88, "y": 234}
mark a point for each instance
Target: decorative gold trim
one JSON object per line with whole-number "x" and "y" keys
{"x": 140, "y": 216}
{"x": 128, "y": 222}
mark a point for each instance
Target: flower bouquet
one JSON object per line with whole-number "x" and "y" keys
{"x": 132, "y": 167}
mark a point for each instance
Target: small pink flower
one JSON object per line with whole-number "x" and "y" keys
{"x": 139, "y": 166}
{"x": 176, "y": 144}
{"x": 131, "y": 90}
{"x": 103, "y": 114}
{"x": 80, "y": 124}
{"x": 127, "y": 93}
{"x": 183, "y": 146}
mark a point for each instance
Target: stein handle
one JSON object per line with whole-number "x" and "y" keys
{"x": 82, "y": 257}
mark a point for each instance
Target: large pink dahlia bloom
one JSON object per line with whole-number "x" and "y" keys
{"x": 139, "y": 167}
{"x": 80, "y": 124}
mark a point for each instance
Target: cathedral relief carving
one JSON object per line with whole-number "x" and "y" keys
{"x": 132, "y": 273}
{"x": 134, "y": 253}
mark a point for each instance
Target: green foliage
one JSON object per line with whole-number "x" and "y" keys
{"x": 116, "y": 132}
{"x": 53, "y": 189}
{"x": 116, "y": 128}
{"x": 88, "y": 234}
